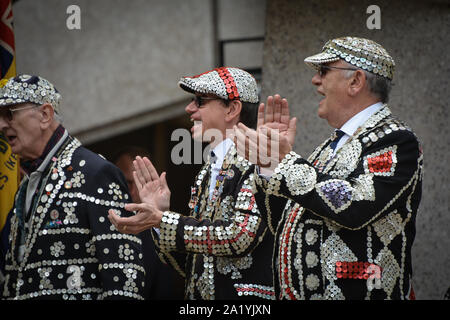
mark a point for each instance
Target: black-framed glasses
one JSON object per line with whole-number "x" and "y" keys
{"x": 323, "y": 69}
{"x": 199, "y": 101}
{"x": 7, "y": 113}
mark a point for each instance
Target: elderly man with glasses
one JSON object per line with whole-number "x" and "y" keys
{"x": 61, "y": 244}
{"x": 348, "y": 225}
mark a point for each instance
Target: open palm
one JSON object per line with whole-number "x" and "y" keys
{"x": 152, "y": 188}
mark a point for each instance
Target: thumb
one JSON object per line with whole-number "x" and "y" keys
{"x": 164, "y": 181}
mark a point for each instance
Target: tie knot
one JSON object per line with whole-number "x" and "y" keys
{"x": 212, "y": 157}
{"x": 337, "y": 135}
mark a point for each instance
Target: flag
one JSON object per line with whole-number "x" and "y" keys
{"x": 9, "y": 166}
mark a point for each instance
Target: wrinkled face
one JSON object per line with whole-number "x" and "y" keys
{"x": 208, "y": 118}
{"x": 23, "y": 130}
{"x": 333, "y": 86}
{"x": 125, "y": 164}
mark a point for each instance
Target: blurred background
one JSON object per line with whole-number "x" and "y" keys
{"x": 118, "y": 77}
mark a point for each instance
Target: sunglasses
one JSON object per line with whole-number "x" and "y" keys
{"x": 323, "y": 69}
{"x": 199, "y": 101}
{"x": 7, "y": 113}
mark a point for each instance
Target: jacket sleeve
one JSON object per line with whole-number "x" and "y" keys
{"x": 120, "y": 258}
{"x": 383, "y": 174}
{"x": 270, "y": 206}
{"x": 177, "y": 260}
{"x": 235, "y": 233}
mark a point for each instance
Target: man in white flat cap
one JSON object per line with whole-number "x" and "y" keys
{"x": 348, "y": 226}
{"x": 223, "y": 248}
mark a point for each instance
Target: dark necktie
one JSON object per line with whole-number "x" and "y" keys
{"x": 212, "y": 157}
{"x": 339, "y": 134}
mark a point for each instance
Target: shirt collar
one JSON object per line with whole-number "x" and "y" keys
{"x": 358, "y": 119}
{"x": 33, "y": 165}
{"x": 221, "y": 150}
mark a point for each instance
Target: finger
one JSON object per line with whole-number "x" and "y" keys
{"x": 263, "y": 156}
{"x": 285, "y": 115}
{"x": 151, "y": 169}
{"x": 292, "y": 130}
{"x": 273, "y": 137}
{"x": 137, "y": 182}
{"x": 163, "y": 180}
{"x": 139, "y": 169}
{"x": 250, "y": 133}
{"x": 123, "y": 225}
{"x": 277, "y": 108}
{"x": 261, "y": 116}
{"x": 252, "y": 151}
{"x": 144, "y": 169}
{"x": 269, "y": 109}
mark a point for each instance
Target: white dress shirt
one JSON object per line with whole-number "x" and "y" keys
{"x": 355, "y": 122}
{"x": 219, "y": 151}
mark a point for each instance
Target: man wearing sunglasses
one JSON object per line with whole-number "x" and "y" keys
{"x": 222, "y": 247}
{"x": 61, "y": 244}
{"x": 348, "y": 226}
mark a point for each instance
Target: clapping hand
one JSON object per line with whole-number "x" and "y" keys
{"x": 155, "y": 196}
{"x": 274, "y": 137}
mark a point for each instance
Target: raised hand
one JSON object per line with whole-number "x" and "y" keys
{"x": 265, "y": 147}
{"x": 152, "y": 189}
{"x": 274, "y": 137}
{"x": 275, "y": 115}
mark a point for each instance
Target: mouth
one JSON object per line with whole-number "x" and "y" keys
{"x": 322, "y": 94}
{"x": 197, "y": 124}
{"x": 11, "y": 139}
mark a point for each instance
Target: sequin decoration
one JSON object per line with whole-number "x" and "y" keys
{"x": 363, "y": 188}
{"x": 233, "y": 266}
{"x": 27, "y": 88}
{"x": 347, "y": 159}
{"x": 224, "y": 82}
{"x": 256, "y": 290}
{"x": 381, "y": 163}
{"x": 357, "y": 270}
{"x": 362, "y": 53}
{"x": 389, "y": 227}
{"x": 391, "y": 270}
{"x": 337, "y": 194}
{"x": 300, "y": 178}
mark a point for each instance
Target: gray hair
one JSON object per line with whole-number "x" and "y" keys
{"x": 58, "y": 117}
{"x": 378, "y": 85}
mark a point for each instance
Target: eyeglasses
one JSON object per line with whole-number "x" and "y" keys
{"x": 7, "y": 113}
{"x": 199, "y": 101}
{"x": 323, "y": 69}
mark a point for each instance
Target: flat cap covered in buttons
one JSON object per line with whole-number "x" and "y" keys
{"x": 362, "y": 53}
{"x": 26, "y": 88}
{"x": 224, "y": 82}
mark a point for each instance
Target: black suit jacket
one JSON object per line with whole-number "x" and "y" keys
{"x": 72, "y": 250}
{"x": 348, "y": 225}
{"x": 223, "y": 248}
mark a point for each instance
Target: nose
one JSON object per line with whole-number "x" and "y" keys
{"x": 191, "y": 108}
{"x": 316, "y": 79}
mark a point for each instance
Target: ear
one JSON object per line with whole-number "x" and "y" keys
{"x": 47, "y": 113}
{"x": 357, "y": 83}
{"x": 233, "y": 111}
